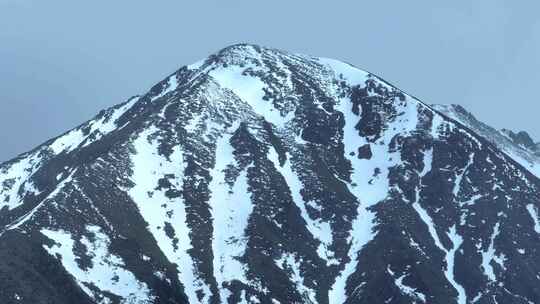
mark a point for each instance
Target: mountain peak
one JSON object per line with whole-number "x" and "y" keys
{"x": 241, "y": 48}
{"x": 260, "y": 176}
{"x": 240, "y": 54}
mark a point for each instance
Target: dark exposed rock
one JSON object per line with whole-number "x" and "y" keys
{"x": 364, "y": 152}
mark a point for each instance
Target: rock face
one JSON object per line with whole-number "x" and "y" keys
{"x": 238, "y": 180}
{"x": 364, "y": 152}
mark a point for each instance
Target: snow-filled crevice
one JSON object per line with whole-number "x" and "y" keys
{"x": 407, "y": 290}
{"x": 452, "y": 234}
{"x": 320, "y": 230}
{"x": 230, "y": 208}
{"x": 460, "y": 176}
{"x": 158, "y": 210}
{"x": 456, "y": 239}
{"x": 488, "y": 256}
{"x": 534, "y": 216}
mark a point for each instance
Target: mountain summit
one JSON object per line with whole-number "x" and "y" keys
{"x": 260, "y": 176}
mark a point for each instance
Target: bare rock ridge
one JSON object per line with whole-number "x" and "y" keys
{"x": 523, "y": 139}
{"x": 519, "y": 146}
{"x": 261, "y": 176}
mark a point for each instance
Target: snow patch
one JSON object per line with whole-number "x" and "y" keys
{"x": 107, "y": 271}
{"x": 489, "y": 255}
{"x": 353, "y": 75}
{"x": 98, "y": 128}
{"x": 196, "y": 65}
{"x": 250, "y": 89}
{"x": 456, "y": 239}
{"x": 107, "y": 124}
{"x": 15, "y": 180}
{"x": 534, "y": 215}
{"x": 171, "y": 85}
{"x": 407, "y": 290}
{"x": 68, "y": 141}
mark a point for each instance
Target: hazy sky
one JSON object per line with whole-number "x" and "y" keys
{"x": 61, "y": 61}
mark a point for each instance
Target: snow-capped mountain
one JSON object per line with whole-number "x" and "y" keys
{"x": 260, "y": 176}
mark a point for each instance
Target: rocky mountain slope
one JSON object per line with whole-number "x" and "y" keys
{"x": 260, "y": 176}
{"x": 520, "y": 146}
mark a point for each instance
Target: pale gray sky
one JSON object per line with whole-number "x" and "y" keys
{"x": 61, "y": 61}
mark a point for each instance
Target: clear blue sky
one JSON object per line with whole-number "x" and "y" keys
{"x": 62, "y": 61}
